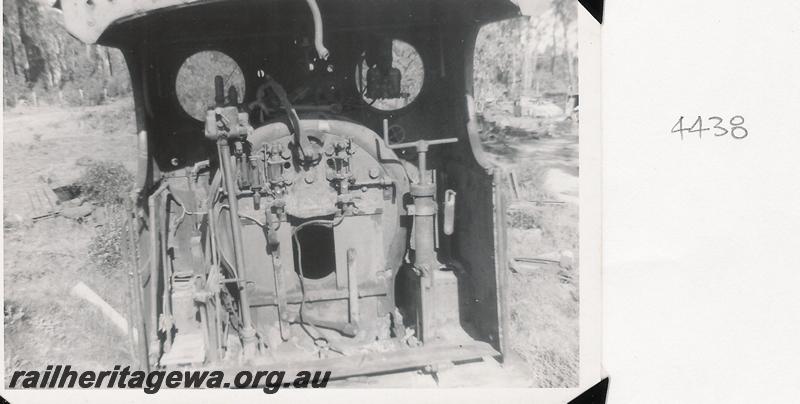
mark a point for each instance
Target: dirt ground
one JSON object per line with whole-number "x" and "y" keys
{"x": 45, "y": 324}
{"x": 543, "y": 222}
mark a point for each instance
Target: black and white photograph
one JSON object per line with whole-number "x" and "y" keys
{"x": 289, "y": 194}
{"x": 400, "y": 201}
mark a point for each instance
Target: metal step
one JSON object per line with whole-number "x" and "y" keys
{"x": 187, "y": 349}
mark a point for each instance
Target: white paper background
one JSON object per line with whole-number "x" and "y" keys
{"x": 701, "y": 237}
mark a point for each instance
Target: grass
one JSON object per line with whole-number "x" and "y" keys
{"x": 544, "y": 305}
{"x": 43, "y": 323}
{"x": 105, "y": 251}
{"x": 48, "y": 325}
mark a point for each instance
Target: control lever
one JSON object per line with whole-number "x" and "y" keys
{"x": 306, "y": 151}
{"x": 422, "y": 150}
{"x": 225, "y": 123}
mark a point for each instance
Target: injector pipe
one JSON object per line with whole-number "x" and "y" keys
{"x": 322, "y": 51}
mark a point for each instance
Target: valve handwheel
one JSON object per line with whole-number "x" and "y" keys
{"x": 396, "y": 134}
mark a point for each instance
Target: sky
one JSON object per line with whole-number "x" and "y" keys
{"x": 532, "y": 7}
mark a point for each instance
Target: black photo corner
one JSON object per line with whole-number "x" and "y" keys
{"x": 594, "y": 395}
{"x": 595, "y": 8}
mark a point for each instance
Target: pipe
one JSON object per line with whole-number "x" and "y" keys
{"x": 166, "y": 303}
{"x": 280, "y": 296}
{"x": 346, "y": 329}
{"x": 212, "y": 220}
{"x": 212, "y": 228}
{"x": 220, "y": 336}
{"x": 302, "y": 139}
{"x": 151, "y": 204}
{"x": 212, "y": 235}
{"x": 352, "y": 285}
{"x": 137, "y": 307}
{"x": 132, "y": 331}
{"x": 277, "y": 271}
{"x": 142, "y": 161}
{"x": 318, "y": 34}
{"x": 248, "y": 332}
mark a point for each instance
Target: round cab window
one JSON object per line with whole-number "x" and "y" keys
{"x": 389, "y": 75}
{"x": 195, "y": 83}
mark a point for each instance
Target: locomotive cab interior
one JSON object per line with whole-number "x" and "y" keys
{"x": 311, "y": 187}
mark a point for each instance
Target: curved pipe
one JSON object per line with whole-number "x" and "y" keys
{"x": 318, "y": 43}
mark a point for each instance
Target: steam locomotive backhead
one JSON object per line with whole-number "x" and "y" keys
{"x": 325, "y": 199}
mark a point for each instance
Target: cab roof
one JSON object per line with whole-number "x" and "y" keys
{"x": 124, "y": 22}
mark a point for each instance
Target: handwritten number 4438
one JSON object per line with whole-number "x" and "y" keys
{"x": 718, "y": 125}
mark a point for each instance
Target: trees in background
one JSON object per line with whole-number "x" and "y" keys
{"x": 522, "y": 56}
{"x": 40, "y": 57}
{"x": 528, "y": 55}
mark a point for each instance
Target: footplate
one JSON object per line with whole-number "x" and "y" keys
{"x": 395, "y": 361}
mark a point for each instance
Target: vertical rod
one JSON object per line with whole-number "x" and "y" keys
{"x": 236, "y": 231}
{"x": 132, "y": 325}
{"x": 166, "y": 302}
{"x": 274, "y": 247}
{"x": 352, "y": 285}
{"x": 137, "y": 307}
{"x": 423, "y": 167}
{"x": 280, "y": 295}
{"x": 153, "y": 351}
{"x": 219, "y": 91}
{"x": 212, "y": 228}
